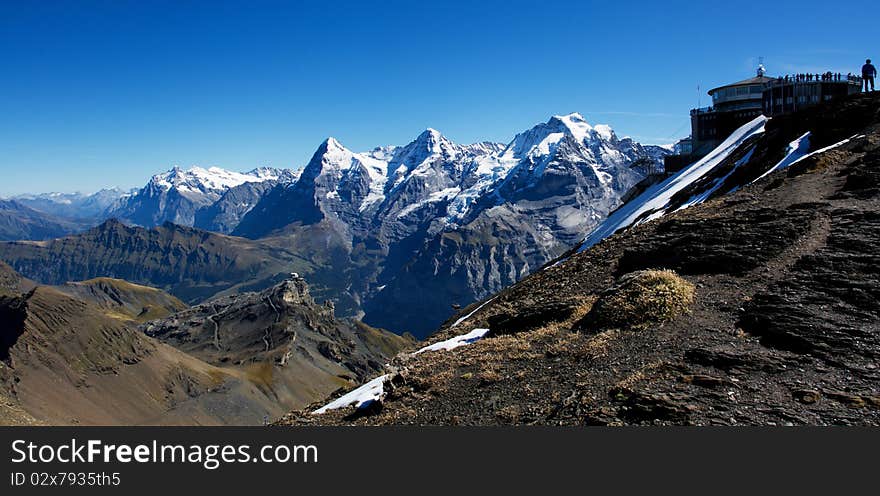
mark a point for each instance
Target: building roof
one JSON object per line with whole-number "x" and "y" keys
{"x": 745, "y": 82}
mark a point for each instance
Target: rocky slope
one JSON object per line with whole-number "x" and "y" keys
{"x": 224, "y": 214}
{"x": 782, "y": 326}
{"x": 124, "y": 300}
{"x": 66, "y": 362}
{"x": 12, "y": 283}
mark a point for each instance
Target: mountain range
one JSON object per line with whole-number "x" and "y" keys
{"x": 213, "y": 198}
{"x": 378, "y": 230}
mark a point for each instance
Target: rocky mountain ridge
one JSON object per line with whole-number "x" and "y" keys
{"x": 19, "y": 221}
{"x": 73, "y": 354}
{"x": 190, "y": 263}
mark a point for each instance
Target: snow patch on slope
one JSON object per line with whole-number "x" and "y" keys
{"x": 452, "y": 343}
{"x": 655, "y": 200}
{"x": 374, "y": 390}
{"x": 437, "y": 196}
{"x": 360, "y": 397}
{"x": 795, "y": 151}
{"x": 462, "y": 319}
{"x": 705, "y": 195}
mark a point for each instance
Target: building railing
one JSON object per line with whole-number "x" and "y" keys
{"x": 729, "y": 106}
{"x": 828, "y": 77}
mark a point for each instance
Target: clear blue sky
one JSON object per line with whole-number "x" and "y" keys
{"x": 97, "y": 94}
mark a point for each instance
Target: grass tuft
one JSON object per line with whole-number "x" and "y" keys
{"x": 641, "y": 298}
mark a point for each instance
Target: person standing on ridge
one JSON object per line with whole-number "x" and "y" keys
{"x": 869, "y": 72}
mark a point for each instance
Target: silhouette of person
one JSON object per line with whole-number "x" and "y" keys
{"x": 869, "y": 72}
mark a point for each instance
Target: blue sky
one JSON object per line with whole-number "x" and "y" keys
{"x": 98, "y": 94}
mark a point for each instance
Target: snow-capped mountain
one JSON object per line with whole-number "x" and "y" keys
{"x": 455, "y": 221}
{"x": 516, "y": 209}
{"x": 384, "y": 227}
{"x": 364, "y": 189}
{"x": 183, "y": 196}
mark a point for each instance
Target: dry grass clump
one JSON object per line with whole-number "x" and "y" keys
{"x": 431, "y": 376}
{"x": 489, "y": 374}
{"x": 653, "y": 369}
{"x": 640, "y": 298}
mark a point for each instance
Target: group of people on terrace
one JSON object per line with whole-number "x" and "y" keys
{"x": 828, "y": 76}
{"x": 865, "y": 81}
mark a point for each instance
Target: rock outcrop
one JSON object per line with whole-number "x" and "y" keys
{"x": 282, "y": 337}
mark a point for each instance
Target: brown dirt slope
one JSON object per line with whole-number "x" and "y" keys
{"x": 124, "y": 300}
{"x": 64, "y": 361}
{"x": 784, "y": 327}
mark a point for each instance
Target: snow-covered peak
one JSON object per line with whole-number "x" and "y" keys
{"x": 604, "y": 131}
{"x": 334, "y": 153}
{"x": 428, "y": 147}
{"x": 543, "y": 139}
{"x": 332, "y": 144}
{"x": 330, "y": 158}
{"x": 433, "y": 142}
{"x": 573, "y": 124}
{"x": 433, "y": 133}
{"x": 269, "y": 173}
{"x": 201, "y": 179}
{"x": 334, "y": 165}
